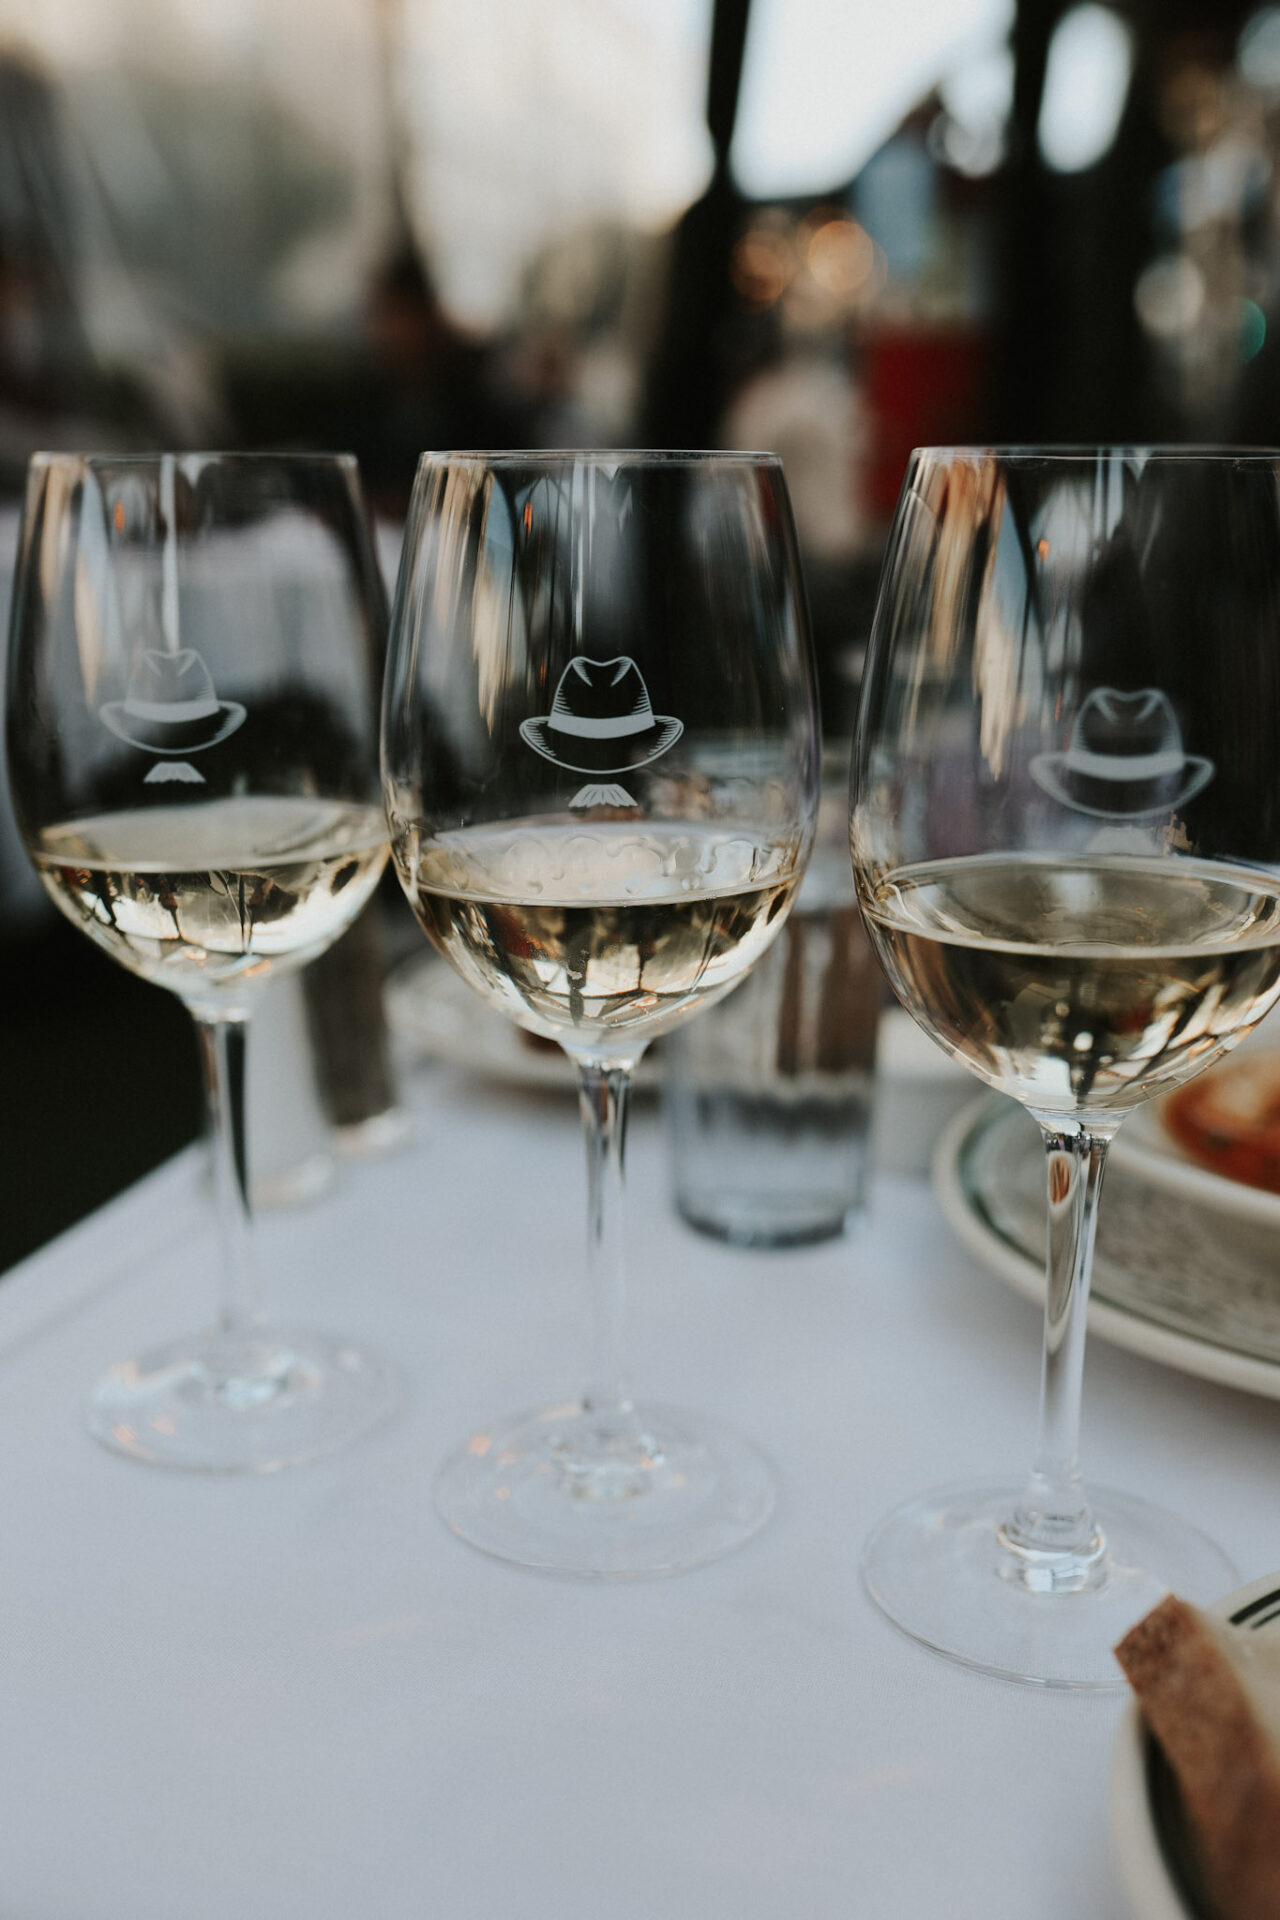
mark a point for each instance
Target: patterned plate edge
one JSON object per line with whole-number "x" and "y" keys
{"x": 1114, "y": 1324}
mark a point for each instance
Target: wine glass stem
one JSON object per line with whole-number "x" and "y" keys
{"x": 602, "y": 1097}
{"x": 1052, "y": 1521}
{"x": 223, "y": 1041}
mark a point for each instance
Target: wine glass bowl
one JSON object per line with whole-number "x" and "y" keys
{"x": 1065, "y": 825}
{"x": 193, "y": 756}
{"x": 600, "y": 771}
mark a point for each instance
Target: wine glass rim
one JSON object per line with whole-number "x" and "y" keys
{"x": 1091, "y": 451}
{"x": 151, "y": 457}
{"x": 599, "y": 457}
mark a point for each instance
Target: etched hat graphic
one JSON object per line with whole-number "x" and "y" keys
{"x": 1125, "y": 758}
{"x": 171, "y": 706}
{"x": 601, "y": 719}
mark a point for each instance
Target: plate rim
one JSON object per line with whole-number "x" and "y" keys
{"x": 1116, "y": 1325}
{"x": 1149, "y": 1149}
{"x": 1147, "y": 1879}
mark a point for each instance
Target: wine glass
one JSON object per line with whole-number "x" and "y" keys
{"x": 192, "y": 749}
{"x": 1065, "y": 827}
{"x": 600, "y": 765}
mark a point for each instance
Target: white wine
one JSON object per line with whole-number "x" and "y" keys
{"x": 584, "y": 931}
{"x": 205, "y": 896}
{"x": 1080, "y": 985}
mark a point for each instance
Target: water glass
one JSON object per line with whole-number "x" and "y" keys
{"x": 768, "y": 1097}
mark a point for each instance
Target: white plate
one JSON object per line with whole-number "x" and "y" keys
{"x": 437, "y": 1014}
{"x": 1185, "y": 1285}
{"x": 1146, "y": 1820}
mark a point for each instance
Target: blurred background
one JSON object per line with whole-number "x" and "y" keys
{"x": 833, "y": 228}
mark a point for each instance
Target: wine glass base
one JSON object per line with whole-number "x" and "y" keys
{"x": 242, "y": 1404}
{"x": 938, "y": 1568}
{"x": 552, "y": 1490}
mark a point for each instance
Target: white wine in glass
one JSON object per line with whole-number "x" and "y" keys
{"x": 1065, "y": 828}
{"x": 642, "y": 924}
{"x": 194, "y": 897}
{"x": 601, "y": 770}
{"x": 192, "y": 750}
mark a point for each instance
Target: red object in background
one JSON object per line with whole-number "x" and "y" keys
{"x": 923, "y": 388}
{"x": 1229, "y": 1119}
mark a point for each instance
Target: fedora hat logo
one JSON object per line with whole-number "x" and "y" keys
{"x": 601, "y": 720}
{"x": 170, "y": 706}
{"x": 1125, "y": 759}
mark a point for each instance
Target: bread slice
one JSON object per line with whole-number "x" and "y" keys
{"x": 1210, "y": 1692}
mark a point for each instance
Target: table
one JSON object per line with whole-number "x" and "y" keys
{"x": 298, "y": 1695}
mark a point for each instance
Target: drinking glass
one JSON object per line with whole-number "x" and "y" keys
{"x": 768, "y": 1098}
{"x": 1065, "y": 823}
{"x": 600, "y": 765}
{"x": 192, "y": 748}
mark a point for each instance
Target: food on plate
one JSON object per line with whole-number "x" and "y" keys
{"x": 1210, "y": 1692}
{"x": 1229, "y": 1119}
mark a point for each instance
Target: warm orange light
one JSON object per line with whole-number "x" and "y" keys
{"x": 1042, "y": 549}
{"x": 480, "y": 1443}
{"x": 840, "y": 255}
{"x": 117, "y": 516}
{"x": 761, "y": 265}
{"x": 528, "y": 515}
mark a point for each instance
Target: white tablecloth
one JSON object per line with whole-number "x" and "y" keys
{"x": 254, "y": 1699}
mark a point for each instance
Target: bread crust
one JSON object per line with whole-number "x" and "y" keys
{"x": 1227, "y": 1767}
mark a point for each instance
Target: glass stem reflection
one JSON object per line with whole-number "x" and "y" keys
{"x": 603, "y": 1089}
{"x": 1052, "y": 1529}
{"x": 223, "y": 1040}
